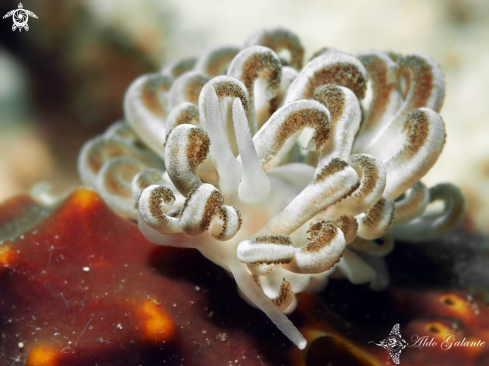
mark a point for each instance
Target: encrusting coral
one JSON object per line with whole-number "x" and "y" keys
{"x": 214, "y": 148}
{"x": 81, "y": 286}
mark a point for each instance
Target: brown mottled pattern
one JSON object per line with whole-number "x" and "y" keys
{"x": 284, "y": 294}
{"x": 274, "y": 103}
{"x": 256, "y": 278}
{"x": 381, "y": 89}
{"x": 197, "y": 147}
{"x": 310, "y": 117}
{"x": 314, "y": 229}
{"x": 258, "y": 63}
{"x": 230, "y": 89}
{"x": 126, "y": 132}
{"x": 173, "y": 149}
{"x": 412, "y": 203}
{"x": 321, "y": 235}
{"x": 240, "y": 218}
{"x": 375, "y": 214}
{"x": 418, "y": 128}
{"x": 106, "y": 150}
{"x": 159, "y": 195}
{"x": 219, "y": 61}
{"x": 280, "y": 261}
{"x": 149, "y": 95}
{"x": 278, "y": 41}
{"x": 422, "y": 79}
{"x": 344, "y": 223}
{"x": 189, "y": 197}
{"x": 370, "y": 175}
{"x": 407, "y": 85}
{"x": 224, "y": 217}
{"x": 346, "y": 75}
{"x": 193, "y": 88}
{"x": 333, "y": 98}
{"x": 213, "y": 204}
{"x": 274, "y": 239}
{"x": 182, "y": 66}
{"x": 167, "y": 137}
{"x": 113, "y": 181}
{"x": 187, "y": 116}
{"x": 350, "y": 192}
{"x": 335, "y": 165}
{"x": 148, "y": 178}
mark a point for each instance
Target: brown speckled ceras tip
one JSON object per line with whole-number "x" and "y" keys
{"x": 370, "y": 174}
{"x": 193, "y": 88}
{"x": 279, "y": 39}
{"x": 321, "y": 235}
{"x": 212, "y": 206}
{"x": 187, "y": 116}
{"x": 413, "y": 67}
{"x": 335, "y": 165}
{"x": 309, "y": 117}
{"x": 228, "y": 89}
{"x": 333, "y": 98}
{"x": 274, "y": 239}
{"x": 344, "y": 223}
{"x": 381, "y": 87}
{"x": 149, "y": 94}
{"x": 339, "y": 74}
{"x": 375, "y": 214}
{"x": 197, "y": 147}
{"x": 158, "y": 196}
{"x": 417, "y": 127}
{"x": 148, "y": 179}
{"x": 224, "y": 217}
{"x": 218, "y": 61}
{"x": 258, "y": 63}
{"x": 284, "y": 295}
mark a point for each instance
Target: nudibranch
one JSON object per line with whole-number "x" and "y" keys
{"x": 284, "y": 174}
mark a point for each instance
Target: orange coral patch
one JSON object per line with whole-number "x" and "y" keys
{"x": 6, "y": 256}
{"x": 157, "y": 325}
{"x": 457, "y": 303}
{"x": 438, "y": 329}
{"x": 84, "y": 198}
{"x": 42, "y": 356}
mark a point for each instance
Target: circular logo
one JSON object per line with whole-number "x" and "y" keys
{"x": 20, "y": 18}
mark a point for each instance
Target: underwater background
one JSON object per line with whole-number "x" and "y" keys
{"x": 63, "y": 81}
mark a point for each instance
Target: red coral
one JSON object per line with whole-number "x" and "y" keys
{"x": 83, "y": 287}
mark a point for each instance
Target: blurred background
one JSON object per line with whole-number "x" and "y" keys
{"x": 63, "y": 81}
